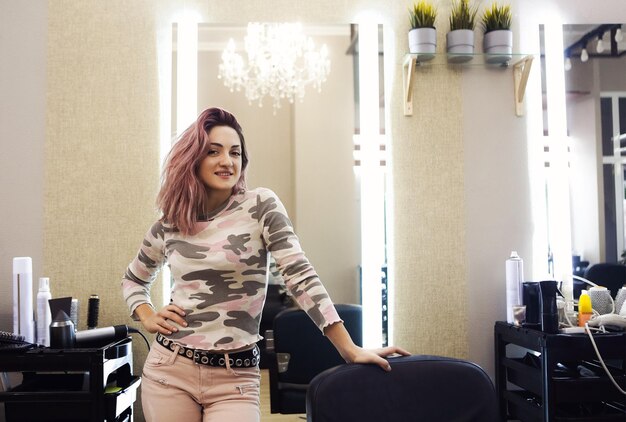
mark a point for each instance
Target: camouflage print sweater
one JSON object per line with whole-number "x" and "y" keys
{"x": 219, "y": 271}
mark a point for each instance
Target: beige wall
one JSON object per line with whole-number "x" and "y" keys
{"x": 460, "y": 179}
{"x": 22, "y": 134}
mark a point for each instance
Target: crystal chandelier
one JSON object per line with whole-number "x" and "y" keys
{"x": 281, "y": 61}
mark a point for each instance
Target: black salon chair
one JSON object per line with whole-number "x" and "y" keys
{"x": 579, "y": 266}
{"x": 301, "y": 352}
{"x": 276, "y": 300}
{"x": 418, "y": 388}
{"x": 610, "y": 275}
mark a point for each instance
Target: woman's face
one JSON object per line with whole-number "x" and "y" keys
{"x": 221, "y": 168}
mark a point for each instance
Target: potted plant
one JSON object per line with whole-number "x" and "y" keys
{"x": 423, "y": 36}
{"x": 498, "y": 40}
{"x": 460, "y": 39}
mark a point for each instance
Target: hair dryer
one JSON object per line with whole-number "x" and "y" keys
{"x": 102, "y": 336}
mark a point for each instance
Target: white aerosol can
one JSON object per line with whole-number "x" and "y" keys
{"x": 514, "y": 280}
{"x": 44, "y": 318}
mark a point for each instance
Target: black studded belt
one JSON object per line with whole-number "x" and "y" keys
{"x": 245, "y": 359}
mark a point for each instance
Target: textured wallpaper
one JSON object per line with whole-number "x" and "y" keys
{"x": 428, "y": 218}
{"x": 102, "y": 149}
{"x": 429, "y": 270}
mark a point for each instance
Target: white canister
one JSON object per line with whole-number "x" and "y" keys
{"x": 514, "y": 280}
{"x": 23, "y": 316}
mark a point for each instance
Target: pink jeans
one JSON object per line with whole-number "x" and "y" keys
{"x": 174, "y": 388}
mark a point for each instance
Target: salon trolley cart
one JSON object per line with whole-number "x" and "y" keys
{"x": 82, "y": 384}
{"x": 558, "y": 377}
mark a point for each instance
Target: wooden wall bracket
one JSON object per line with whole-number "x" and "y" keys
{"x": 521, "y": 70}
{"x": 408, "y": 75}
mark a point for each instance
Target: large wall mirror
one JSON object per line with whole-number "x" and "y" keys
{"x": 594, "y": 63}
{"x": 305, "y": 150}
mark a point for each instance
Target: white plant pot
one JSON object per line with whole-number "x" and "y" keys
{"x": 498, "y": 46}
{"x": 460, "y": 45}
{"x": 423, "y": 42}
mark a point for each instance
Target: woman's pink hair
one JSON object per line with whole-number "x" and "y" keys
{"x": 182, "y": 193}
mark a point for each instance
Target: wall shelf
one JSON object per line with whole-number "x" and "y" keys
{"x": 521, "y": 64}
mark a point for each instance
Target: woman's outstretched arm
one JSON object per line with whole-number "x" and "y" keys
{"x": 340, "y": 338}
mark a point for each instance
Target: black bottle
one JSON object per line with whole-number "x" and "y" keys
{"x": 549, "y": 311}
{"x": 530, "y": 298}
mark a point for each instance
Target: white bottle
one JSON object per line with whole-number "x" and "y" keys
{"x": 514, "y": 280}
{"x": 44, "y": 317}
{"x": 23, "y": 322}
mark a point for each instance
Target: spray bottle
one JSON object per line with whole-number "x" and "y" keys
{"x": 44, "y": 317}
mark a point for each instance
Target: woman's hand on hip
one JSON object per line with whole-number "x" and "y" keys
{"x": 161, "y": 321}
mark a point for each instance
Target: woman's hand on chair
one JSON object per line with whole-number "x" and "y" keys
{"x": 377, "y": 356}
{"x": 339, "y": 336}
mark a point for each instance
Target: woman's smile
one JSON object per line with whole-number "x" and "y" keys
{"x": 221, "y": 167}
{"x": 224, "y": 174}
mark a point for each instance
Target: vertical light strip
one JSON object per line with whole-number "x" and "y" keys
{"x": 187, "y": 72}
{"x": 618, "y": 173}
{"x": 558, "y": 181}
{"x": 372, "y": 188}
{"x": 389, "y": 67}
{"x": 186, "y": 98}
{"x": 165, "y": 49}
{"x": 531, "y": 41}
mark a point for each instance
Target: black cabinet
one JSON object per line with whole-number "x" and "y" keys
{"x": 86, "y": 384}
{"x": 558, "y": 377}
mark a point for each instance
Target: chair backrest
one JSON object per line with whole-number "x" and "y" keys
{"x": 301, "y": 352}
{"x": 418, "y": 388}
{"x": 610, "y": 275}
{"x": 275, "y": 302}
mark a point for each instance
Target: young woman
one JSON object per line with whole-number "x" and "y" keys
{"x": 216, "y": 235}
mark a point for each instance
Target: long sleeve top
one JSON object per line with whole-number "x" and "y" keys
{"x": 219, "y": 272}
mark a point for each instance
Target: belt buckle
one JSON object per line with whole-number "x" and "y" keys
{"x": 196, "y": 356}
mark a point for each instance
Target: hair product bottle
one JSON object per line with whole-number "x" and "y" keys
{"x": 44, "y": 317}
{"x": 23, "y": 322}
{"x": 93, "y": 307}
{"x": 549, "y": 311}
{"x": 514, "y": 280}
{"x": 584, "y": 308}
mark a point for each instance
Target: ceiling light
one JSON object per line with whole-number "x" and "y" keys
{"x": 584, "y": 56}
{"x": 568, "y": 64}
{"x": 600, "y": 44}
{"x": 618, "y": 35}
{"x": 279, "y": 61}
